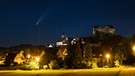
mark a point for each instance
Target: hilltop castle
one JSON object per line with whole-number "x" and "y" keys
{"x": 107, "y": 29}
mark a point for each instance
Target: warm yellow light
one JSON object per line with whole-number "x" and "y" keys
{"x": 107, "y": 56}
{"x": 133, "y": 47}
{"x": 37, "y": 59}
{"x": 28, "y": 56}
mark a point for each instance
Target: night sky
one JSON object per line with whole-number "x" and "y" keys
{"x": 41, "y": 22}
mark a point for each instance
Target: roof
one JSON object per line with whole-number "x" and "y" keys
{"x": 61, "y": 50}
{"x": 52, "y": 45}
{"x": 3, "y": 53}
{"x": 62, "y": 39}
{"x": 71, "y": 38}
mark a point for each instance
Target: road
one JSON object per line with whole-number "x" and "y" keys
{"x": 72, "y": 72}
{"x": 127, "y": 72}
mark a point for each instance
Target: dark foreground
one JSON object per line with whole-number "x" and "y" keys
{"x": 72, "y": 72}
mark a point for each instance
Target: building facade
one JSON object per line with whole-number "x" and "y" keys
{"x": 63, "y": 41}
{"x": 107, "y": 29}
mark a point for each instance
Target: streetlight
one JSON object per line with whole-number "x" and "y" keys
{"x": 37, "y": 59}
{"x": 108, "y": 56}
{"x": 133, "y": 48}
{"x": 28, "y": 56}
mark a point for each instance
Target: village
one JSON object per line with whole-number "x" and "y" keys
{"x": 90, "y": 52}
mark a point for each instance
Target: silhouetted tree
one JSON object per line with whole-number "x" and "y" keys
{"x": 87, "y": 52}
{"x": 68, "y": 61}
{"x": 123, "y": 49}
{"x": 74, "y": 58}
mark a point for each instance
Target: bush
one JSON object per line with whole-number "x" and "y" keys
{"x": 117, "y": 64}
{"x": 54, "y": 64}
{"x": 89, "y": 64}
{"x": 83, "y": 64}
{"x": 33, "y": 65}
{"x": 45, "y": 66}
{"x": 94, "y": 65}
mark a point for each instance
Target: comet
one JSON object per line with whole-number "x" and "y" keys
{"x": 40, "y": 19}
{"x": 43, "y": 16}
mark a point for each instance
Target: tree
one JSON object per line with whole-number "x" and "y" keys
{"x": 122, "y": 50}
{"x": 87, "y": 52}
{"x": 78, "y": 56}
{"x": 68, "y": 61}
{"x": 120, "y": 55}
{"x": 74, "y": 58}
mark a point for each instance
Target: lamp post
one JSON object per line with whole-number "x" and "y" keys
{"x": 108, "y": 56}
{"x": 133, "y": 48}
{"x": 28, "y": 56}
{"x": 37, "y": 59}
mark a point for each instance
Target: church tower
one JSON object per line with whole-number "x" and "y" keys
{"x": 63, "y": 41}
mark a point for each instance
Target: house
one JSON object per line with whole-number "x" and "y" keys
{"x": 54, "y": 54}
{"x": 3, "y": 55}
{"x": 34, "y": 55}
{"x": 63, "y": 41}
{"x": 12, "y": 58}
{"x": 50, "y": 45}
{"x": 73, "y": 40}
{"x": 62, "y": 53}
{"x": 48, "y": 54}
{"x": 90, "y": 45}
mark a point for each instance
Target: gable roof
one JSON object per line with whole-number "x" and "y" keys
{"x": 64, "y": 39}
{"x": 62, "y": 53}
{"x": 72, "y": 38}
{"x": 51, "y": 45}
{"x": 3, "y": 54}
{"x": 61, "y": 50}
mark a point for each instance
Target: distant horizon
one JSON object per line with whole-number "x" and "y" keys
{"x": 45, "y": 44}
